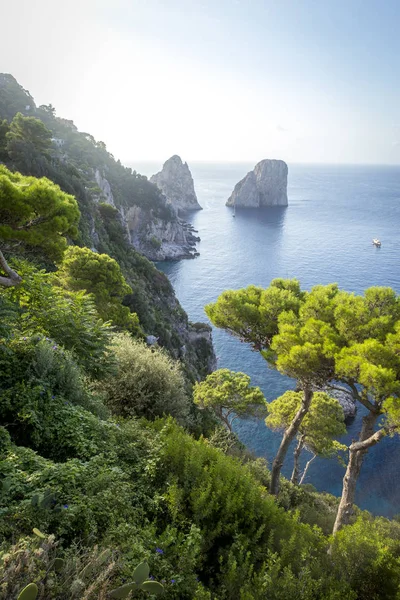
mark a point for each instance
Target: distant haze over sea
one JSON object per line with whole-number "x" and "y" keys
{"x": 323, "y": 236}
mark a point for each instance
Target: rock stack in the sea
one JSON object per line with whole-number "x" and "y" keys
{"x": 265, "y": 185}
{"x": 176, "y": 183}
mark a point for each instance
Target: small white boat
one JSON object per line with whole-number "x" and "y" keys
{"x": 376, "y": 242}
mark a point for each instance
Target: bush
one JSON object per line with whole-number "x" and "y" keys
{"x": 70, "y": 319}
{"x": 221, "y": 497}
{"x": 367, "y": 556}
{"x": 147, "y": 382}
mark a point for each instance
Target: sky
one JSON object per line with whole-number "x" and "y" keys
{"x": 306, "y": 81}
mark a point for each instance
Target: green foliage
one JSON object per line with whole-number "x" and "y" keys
{"x": 319, "y": 428}
{"x": 69, "y": 319}
{"x": 374, "y": 365}
{"x": 222, "y": 498}
{"x": 99, "y": 275}
{"x": 13, "y": 97}
{"x": 35, "y": 212}
{"x": 229, "y": 395}
{"x": 4, "y": 129}
{"x": 367, "y": 556}
{"x": 252, "y": 314}
{"x": 146, "y": 383}
{"x": 197, "y": 511}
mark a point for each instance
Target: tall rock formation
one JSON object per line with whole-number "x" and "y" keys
{"x": 265, "y": 185}
{"x": 176, "y": 183}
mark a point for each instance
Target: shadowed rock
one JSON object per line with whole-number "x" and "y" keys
{"x": 265, "y": 185}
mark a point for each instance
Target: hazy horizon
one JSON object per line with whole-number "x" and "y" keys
{"x": 226, "y": 81}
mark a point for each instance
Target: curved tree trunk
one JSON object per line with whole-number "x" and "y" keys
{"x": 287, "y": 439}
{"x": 12, "y": 278}
{"x": 296, "y": 467}
{"x": 357, "y": 450}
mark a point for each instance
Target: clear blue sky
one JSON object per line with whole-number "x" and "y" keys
{"x": 301, "y": 80}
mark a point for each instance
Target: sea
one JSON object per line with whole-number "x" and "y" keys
{"x": 324, "y": 235}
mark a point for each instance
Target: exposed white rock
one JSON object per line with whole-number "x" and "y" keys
{"x": 158, "y": 239}
{"x": 176, "y": 183}
{"x": 105, "y": 188}
{"x": 265, "y": 185}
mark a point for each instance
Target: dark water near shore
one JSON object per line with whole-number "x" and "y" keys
{"x": 323, "y": 236}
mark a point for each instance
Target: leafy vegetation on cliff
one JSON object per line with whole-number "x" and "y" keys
{"x": 107, "y": 462}
{"x": 35, "y": 142}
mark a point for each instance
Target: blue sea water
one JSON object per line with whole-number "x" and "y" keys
{"x": 323, "y": 236}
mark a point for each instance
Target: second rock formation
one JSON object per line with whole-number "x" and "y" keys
{"x": 265, "y": 185}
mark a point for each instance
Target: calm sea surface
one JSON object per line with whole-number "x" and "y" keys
{"x": 323, "y": 236}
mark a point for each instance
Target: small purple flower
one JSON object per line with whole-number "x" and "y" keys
{"x": 65, "y": 506}
{"x": 173, "y": 580}
{"x": 52, "y": 397}
{"x": 54, "y": 347}
{"x": 25, "y": 338}
{"x": 159, "y": 551}
{"x": 151, "y": 577}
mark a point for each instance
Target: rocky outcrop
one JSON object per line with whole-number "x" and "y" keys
{"x": 345, "y": 399}
{"x": 105, "y": 187}
{"x": 200, "y": 338}
{"x": 158, "y": 239}
{"x": 176, "y": 183}
{"x": 265, "y": 185}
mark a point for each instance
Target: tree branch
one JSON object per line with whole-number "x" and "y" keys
{"x": 32, "y": 223}
{"x": 306, "y": 468}
{"x": 373, "y": 439}
{"x": 362, "y": 399}
{"x": 13, "y": 278}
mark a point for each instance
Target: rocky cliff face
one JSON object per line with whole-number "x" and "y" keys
{"x": 158, "y": 239}
{"x": 176, "y": 183}
{"x": 266, "y": 185}
{"x": 120, "y": 211}
{"x": 105, "y": 187}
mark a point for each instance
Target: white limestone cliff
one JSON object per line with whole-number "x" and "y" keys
{"x": 176, "y": 183}
{"x": 158, "y": 239}
{"x": 107, "y": 195}
{"x": 265, "y": 185}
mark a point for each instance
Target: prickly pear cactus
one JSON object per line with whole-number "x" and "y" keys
{"x": 30, "y": 592}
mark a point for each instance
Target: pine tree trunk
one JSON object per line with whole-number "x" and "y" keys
{"x": 287, "y": 439}
{"x": 306, "y": 469}
{"x": 296, "y": 467}
{"x": 357, "y": 450}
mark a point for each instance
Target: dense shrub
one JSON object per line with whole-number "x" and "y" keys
{"x": 70, "y": 319}
{"x": 147, "y": 382}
